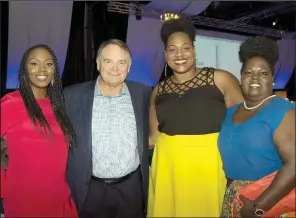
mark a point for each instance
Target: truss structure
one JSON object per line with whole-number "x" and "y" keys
{"x": 269, "y": 12}
{"x": 228, "y": 25}
{"x": 143, "y": 10}
{"x": 132, "y": 9}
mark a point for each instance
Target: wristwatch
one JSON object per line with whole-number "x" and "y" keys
{"x": 258, "y": 211}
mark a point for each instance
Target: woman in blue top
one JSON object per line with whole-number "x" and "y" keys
{"x": 258, "y": 136}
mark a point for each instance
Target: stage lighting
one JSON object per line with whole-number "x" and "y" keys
{"x": 168, "y": 16}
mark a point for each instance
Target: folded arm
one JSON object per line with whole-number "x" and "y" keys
{"x": 284, "y": 181}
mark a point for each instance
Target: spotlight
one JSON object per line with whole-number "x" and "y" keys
{"x": 274, "y": 23}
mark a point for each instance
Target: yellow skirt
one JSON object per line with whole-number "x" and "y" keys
{"x": 186, "y": 179}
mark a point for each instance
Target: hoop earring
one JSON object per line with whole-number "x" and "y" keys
{"x": 165, "y": 69}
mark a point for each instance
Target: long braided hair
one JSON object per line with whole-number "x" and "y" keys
{"x": 54, "y": 93}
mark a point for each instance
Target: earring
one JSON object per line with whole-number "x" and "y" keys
{"x": 165, "y": 69}
{"x": 51, "y": 82}
{"x": 273, "y": 83}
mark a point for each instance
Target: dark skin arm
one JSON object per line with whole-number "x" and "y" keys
{"x": 153, "y": 121}
{"x": 284, "y": 181}
{"x": 229, "y": 86}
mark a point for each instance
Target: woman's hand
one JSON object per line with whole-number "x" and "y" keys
{"x": 247, "y": 210}
{"x": 4, "y": 154}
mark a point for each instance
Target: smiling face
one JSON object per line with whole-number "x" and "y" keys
{"x": 256, "y": 79}
{"x": 40, "y": 68}
{"x": 180, "y": 53}
{"x": 113, "y": 65}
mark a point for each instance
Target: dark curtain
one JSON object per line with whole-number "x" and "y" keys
{"x": 74, "y": 69}
{"x": 4, "y": 43}
{"x": 90, "y": 26}
{"x": 89, "y": 49}
{"x": 290, "y": 87}
{"x": 106, "y": 25}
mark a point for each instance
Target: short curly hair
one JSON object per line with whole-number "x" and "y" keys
{"x": 259, "y": 46}
{"x": 177, "y": 25}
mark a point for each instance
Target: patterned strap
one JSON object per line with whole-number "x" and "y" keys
{"x": 204, "y": 77}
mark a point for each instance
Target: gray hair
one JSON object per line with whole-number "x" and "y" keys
{"x": 117, "y": 42}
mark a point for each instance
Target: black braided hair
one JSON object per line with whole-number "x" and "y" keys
{"x": 177, "y": 25}
{"x": 54, "y": 93}
{"x": 259, "y": 46}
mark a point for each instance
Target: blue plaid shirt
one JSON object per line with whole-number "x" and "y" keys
{"x": 114, "y": 135}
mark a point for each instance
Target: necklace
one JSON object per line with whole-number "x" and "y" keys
{"x": 251, "y": 108}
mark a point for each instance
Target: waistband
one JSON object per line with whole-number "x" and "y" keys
{"x": 211, "y": 138}
{"x": 112, "y": 181}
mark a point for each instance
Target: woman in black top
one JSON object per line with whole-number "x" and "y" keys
{"x": 187, "y": 109}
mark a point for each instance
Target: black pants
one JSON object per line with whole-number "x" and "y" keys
{"x": 122, "y": 200}
{"x": 1, "y": 206}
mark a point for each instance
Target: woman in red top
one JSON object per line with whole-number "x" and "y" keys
{"x": 38, "y": 135}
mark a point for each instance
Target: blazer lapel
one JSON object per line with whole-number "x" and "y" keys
{"x": 87, "y": 106}
{"x": 137, "y": 104}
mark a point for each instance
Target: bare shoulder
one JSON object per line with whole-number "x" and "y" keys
{"x": 224, "y": 79}
{"x": 223, "y": 76}
{"x": 155, "y": 89}
{"x": 229, "y": 86}
{"x": 160, "y": 86}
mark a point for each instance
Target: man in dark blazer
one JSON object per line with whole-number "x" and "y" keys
{"x": 108, "y": 164}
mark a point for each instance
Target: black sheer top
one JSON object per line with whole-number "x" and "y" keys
{"x": 191, "y": 108}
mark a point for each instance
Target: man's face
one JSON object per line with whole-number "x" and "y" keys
{"x": 113, "y": 65}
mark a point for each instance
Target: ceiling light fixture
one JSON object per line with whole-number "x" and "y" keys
{"x": 168, "y": 16}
